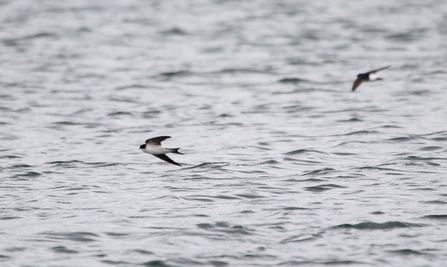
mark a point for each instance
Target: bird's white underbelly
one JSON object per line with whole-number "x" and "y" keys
{"x": 155, "y": 150}
{"x": 373, "y": 77}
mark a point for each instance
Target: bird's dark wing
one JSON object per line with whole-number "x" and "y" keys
{"x": 156, "y": 140}
{"x": 374, "y": 71}
{"x": 356, "y": 84}
{"x": 167, "y": 159}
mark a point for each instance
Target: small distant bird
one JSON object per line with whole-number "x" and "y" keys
{"x": 153, "y": 147}
{"x": 368, "y": 76}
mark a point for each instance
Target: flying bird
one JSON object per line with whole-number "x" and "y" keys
{"x": 153, "y": 147}
{"x": 368, "y": 76}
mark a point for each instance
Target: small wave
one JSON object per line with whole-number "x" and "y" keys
{"x": 377, "y": 168}
{"x": 242, "y": 71}
{"x": 417, "y": 92}
{"x": 225, "y": 115}
{"x": 73, "y": 236}
{"x": 292, "y": 80}
{"x": 64, "y": 163}
{"x": 320, "y": 263}
{"x": 249, "y": 196}
{"x": 142, "y": 251}
{"x": 174, "y": 31}
{"x": 219, "y": 263}
{"x": 224, "y": 227}
{"x": 300, "y": 91}
{"x": 322, "y": 171}
{"x": 344, "y": 154}
{"x": 123, "y": 99}
{"x": 298, "y": 108}
{"x": 9, "y": 218}
{"x": 437, "y": 202}
{"x": 132, "y": 86}
{"x": 361, "y": 133}
{"x": 436, "y": 217}
{"x": 404, "y": 138}
{"x": 150, "y": 114}
{"x": 378, "y": 226}
{"x": 305, "y": 180}
{"x": 407, "y": 36}
{"x": 206, "y": 165}
{"x": 438, "y": 136}
{"x": 323, "y": 187}
{"x": 199, "y": 198}
{"x": 113, "y": 234}
{"x": 122, "y": 263}
{"x": 156, "y": 263}
{"x": 377, "y": 212}
{"x": 15, "y": 41}
{"x": 103, "y": 164}
{"x": 167, "y": 76}
{"x": 295, "y": 208}
{"x": 300, "y": 238}
{"x": 415, "y": 158}
{"x": 225, "y": 197}
{"x": 27, "y": 174}
{"x": 10, "y": 157}
{"x": 20, "y": 166}
{"x": 406, "y": 252}
{"x": 69, "y": 123}
{"x": 63, "y": 249}
{"x": 120, "y": 113}
{"x": 303, "y": 151}
{"x": 301, "y": 161}
{"x": 351, "y": 120}
{"x": 75, "y": 163}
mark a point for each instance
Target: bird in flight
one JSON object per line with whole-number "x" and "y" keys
{"x": 153, "y": 147}
{"x": 368, "y": 76}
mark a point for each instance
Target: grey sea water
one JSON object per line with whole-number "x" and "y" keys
{"x": 283, "y": 164}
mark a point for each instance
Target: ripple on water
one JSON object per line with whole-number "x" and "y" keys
{"x": 72, "y": 236}
{"x": 304, "y": 151}
{"x": 436, "y": 217}
{"x": 408, "y": 252}
{"x": 9, "y": 218}
{"x": 292, "y": 80}
{"x": 378, "y": 226}
{"x": 156, "y": 263}
{"x": 224, "y": 227}
{"x": 323, "y": 187}
{"x": 323, "y": 171}
{"x": 65, "y": 250}
{"x": 321, "y": 263}
{"x": 25, "y": 175}
{"x": 300, "y": 238}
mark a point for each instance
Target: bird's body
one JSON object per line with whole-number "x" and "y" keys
{"x": 155, "y": 150}
{"x": 153, "y": 147}
{"x": 367, "y": 77}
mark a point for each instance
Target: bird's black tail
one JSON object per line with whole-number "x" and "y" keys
{"x": 175, "y": 150}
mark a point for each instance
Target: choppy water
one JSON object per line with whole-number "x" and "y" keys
{"x": 283, "y": 165}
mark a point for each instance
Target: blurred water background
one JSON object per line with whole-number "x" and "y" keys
{"x": 283, "y": 164}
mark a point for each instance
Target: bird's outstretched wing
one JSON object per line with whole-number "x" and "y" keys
{"x": 377, "y": 70}
{"x": 357, "y": 83}
{"x": 156, "y": 140}
{"x": 167, "y": 159}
